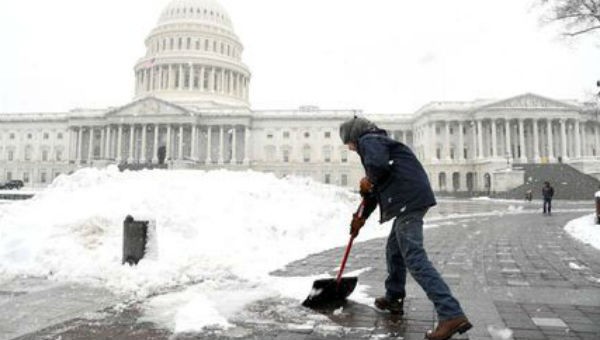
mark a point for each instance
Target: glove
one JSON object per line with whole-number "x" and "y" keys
{"x": 356, "y": 224}
{"x": 365, "y": 186}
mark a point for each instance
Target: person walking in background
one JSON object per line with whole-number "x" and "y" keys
{"x": 396, "y": 181}
{"x": 547, "y": 194}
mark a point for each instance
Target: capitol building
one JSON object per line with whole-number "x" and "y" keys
{"x": 191, "y": 110}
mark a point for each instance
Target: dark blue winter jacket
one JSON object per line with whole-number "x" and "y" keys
{"x": 400, "y": 184}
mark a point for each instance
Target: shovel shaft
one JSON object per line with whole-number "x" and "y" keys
{"x": 359, "y": 213}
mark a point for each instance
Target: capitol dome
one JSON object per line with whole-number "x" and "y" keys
{"x": 193, "y": 56}
{"x": 208, "y": 11}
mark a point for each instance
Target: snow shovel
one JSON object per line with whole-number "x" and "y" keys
{"x": 333, "y": 292}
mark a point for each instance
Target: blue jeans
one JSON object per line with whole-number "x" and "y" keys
{"x": 547, "y": 205}
{"x": 405, "y": 251}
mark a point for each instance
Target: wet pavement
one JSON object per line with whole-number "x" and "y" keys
{"x": 519, "y": 270}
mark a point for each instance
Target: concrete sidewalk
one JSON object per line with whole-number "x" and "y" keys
{"x": 516, "y": 271}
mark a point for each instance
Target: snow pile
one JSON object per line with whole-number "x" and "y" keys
{"x": 499, "y": 333}
{"x": 215, "y": 226}
{"x": 585, "y": 230}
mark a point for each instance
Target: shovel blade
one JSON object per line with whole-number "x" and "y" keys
{"x": 327, "y": 292}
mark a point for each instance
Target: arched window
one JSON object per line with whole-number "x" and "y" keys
{"x": 442, "y": 181}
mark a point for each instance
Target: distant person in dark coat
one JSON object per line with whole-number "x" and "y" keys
{"x": 396, "y": 181}
{"x": 547, "y": 194}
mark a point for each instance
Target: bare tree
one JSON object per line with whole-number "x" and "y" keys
{"x": 578, "y": 16}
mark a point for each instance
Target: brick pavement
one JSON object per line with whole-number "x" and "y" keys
{"x": 518, "y": 271}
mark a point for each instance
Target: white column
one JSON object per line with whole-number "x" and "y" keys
{"x": 474, "y": 140}
{"x": 91, "y": 145}
{"x": 211, "y": 80}
{"x": 233, "y": 142}
{"x": 461, "y": 142}
{"x": 143, "y": 157}
{"x": 180, "y": 80}
{"x": 201, "y": 79}
{"x": 102, "y": 143}
{"x": 194, "y": 143}
{"x": 230, "y": 92}
{"x": 151, "y": 70}
{"x": 494, "y": 139}
{"x": 523, "y": 158}
{"x": 246, "y": 146}
{"x": 433, "y": 139}
{"x": 131, "y": 136}
{"x": 584, "y": 140}
{"x": 222, "y": 87}
{"x": 208, "y": 145}
{"x": 479, "y": 139}
{"x": 507, "y": 139}
{"x": 108, "y": 143}
{"x": 155, "y": 149}
{"x": 191, "y": 77}
{"x": 80, "y": 145}
{"x": 563, "y": 137}
{"x": 536, "y": 142}
{"x": 597, "y": 140}
{"x": 70, "y": 153}
{"x": 447, "y": 147}
{"x": 180, "y": 151}
{"x": 119, "y": 143}
{"x": 168, "y": 143}
{"x": 171, "y": 82}
{"x": 577, "y": 139}
{"x": 239, "y": 85}
{"x": 551, "y": 157}
{"x": 220, "y": 159}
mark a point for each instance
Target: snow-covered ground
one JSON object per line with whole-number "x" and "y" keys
{"x": 585, "y": 229}
{"x": 218, "y": 236}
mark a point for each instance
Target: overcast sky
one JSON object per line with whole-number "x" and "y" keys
{"x": 382, "y": 56}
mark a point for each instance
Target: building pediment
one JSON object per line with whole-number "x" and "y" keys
{"x": 529, "y": 101}
{"x": 149, "y": 106}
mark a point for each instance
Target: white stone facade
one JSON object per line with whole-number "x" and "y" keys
{"x": 191, "y": 107}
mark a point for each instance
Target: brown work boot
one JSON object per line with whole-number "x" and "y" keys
{"x": 447, "y": 328}
{"x": 393, "y": 306}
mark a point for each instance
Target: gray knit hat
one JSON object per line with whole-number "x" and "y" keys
{"x": 352, "y": 129}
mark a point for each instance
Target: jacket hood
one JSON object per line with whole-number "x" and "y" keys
{"x": 351, "y": 130}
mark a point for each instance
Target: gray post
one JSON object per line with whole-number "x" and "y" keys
{"x": 135, "y": 234}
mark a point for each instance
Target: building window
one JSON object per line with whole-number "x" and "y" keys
{"x": 26, "y": 177}
{"x": 286, "y": 134}
{"x": 60, "y": 135}
{"x": 306, "y": 154}
{"x": 29, "y": 136}
{"x": 269, "y": 135}
{"x": 452, "y": 153}
{"x": 59, "y": 155}
{"x": 437, "y": 130}
{"x": 8, "y": 175}
{"x": 344, "y": 156}
{"x": 189, "y": 43}
{"x": 327, "y": 134}
{"x": 45, "y": 156}
{"x": 451, "y": 131}
{"x": 438, "y": 153}
{"x": 43, "y": 177}
{"x": 12, "y": 136}
{"x": 286, "y": 155}
{"x": 56, "y": 174}
{"x": 11, "y": 155}
{"x": 46, "y": 135}
{"x": 327, "y": 178}
{"x": 28, "y": 151}
{"x": 327, "y": 154}
{"x": 270, "y": 153}
{"x": 344, "y": 180}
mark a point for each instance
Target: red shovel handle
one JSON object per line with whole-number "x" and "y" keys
{"x": 359, "y": 213}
